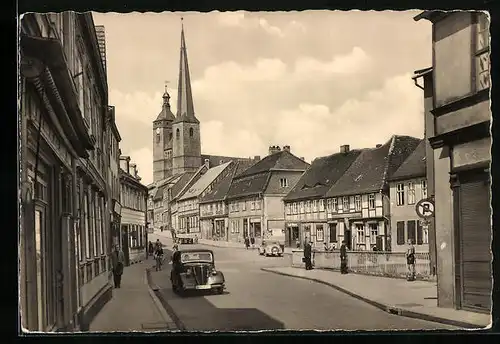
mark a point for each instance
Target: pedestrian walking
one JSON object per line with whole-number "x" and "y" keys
{"x": 308, "y": 255}
{"x": 195, "y": 238}
{"x": 343, "y": 258}
{"x": 151, "y": 249}
{"x": 158, "y": 257}
{"x": 117, "y": 264}
{"x": 410, "y": 261}
{"x": 247, "y": 242}
{"x": 252, "y": 241}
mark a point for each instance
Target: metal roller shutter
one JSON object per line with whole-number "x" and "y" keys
{"x": 475, "y": 243}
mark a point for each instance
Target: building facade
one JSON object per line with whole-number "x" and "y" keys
{"x": 255, "y": 198}
{"x": 408, "y": 186}
{"x": 113, "y": 148}
{"x": 133, "y": 198}
{"x": 65, "y": 203}
{"x": 305, "y": 205}
{"x": 358, "y": 205}
{"x": 461, "y": 144}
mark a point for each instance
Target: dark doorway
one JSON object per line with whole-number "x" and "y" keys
{"x": 348, "y": 238}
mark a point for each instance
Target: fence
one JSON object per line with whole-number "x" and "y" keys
{"x": 387, "y": 264}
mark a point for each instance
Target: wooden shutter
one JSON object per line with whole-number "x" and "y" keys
{"x": 400, "y": 229}
{"x": 420, "y": 233}
{"x": 412, "y": 231}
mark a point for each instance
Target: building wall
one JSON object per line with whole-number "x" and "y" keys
{"x": 249, "y": 209}
{"x": 407, "y": 212}
{"x": 274, "y": 186}
{"x": 186, "y": 149}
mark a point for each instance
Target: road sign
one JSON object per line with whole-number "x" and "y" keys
{"x": 425, "y": 208}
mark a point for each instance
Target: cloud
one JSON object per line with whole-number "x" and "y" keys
{"x": 249, "y": 21}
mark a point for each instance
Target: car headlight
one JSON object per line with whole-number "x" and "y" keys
{"x": 214, "y": 272}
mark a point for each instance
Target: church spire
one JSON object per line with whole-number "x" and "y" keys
{"x": 166, "y": 97}
{"x": 185, "y": 106}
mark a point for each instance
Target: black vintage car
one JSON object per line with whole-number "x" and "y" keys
{"x": 194, "y": 269}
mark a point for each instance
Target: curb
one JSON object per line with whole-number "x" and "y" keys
{"x": 165, "y": 309}
{"x": 386, "y": 308}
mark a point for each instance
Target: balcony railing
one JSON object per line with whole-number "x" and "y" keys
{"x": 387, "y": 264}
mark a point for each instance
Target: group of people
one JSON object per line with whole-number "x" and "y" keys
{"x": 308, "y": 254}
{"x": 249, "y": 241}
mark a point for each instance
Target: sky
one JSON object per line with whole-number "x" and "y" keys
{"x": 313, "y": 80}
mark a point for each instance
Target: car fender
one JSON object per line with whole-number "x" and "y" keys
{"x": 217, "y": 278}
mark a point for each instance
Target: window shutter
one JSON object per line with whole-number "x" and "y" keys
{"x": 400, "y": 232}
{"x": 411, "y": 230}
{"x": 419, "y": 233}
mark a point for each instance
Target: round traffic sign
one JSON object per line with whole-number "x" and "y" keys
{"x": 425, "y": 208}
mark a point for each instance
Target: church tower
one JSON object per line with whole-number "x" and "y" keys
{"x": 162, "y": 141}
{"x": 186, "y": 142}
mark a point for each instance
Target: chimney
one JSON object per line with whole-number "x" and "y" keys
{"x": 344, "y": 149}
{"x": 274, "y": 149}
{"x": 124, "y": 163}
{"x": 207, "y": 163}
{"x": 133, "y": 170}
{"x": 286, "y": 148}
{"x": 378, "y": 146}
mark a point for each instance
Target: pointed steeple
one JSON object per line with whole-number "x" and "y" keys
{"x": 185, "y": 106}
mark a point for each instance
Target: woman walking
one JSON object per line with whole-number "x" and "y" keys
{"x": 410, "y": 260}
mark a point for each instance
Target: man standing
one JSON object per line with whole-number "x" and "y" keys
{"x": 343, "y": 258}
{"x": 410, "y": 260}
{"x": 117, "y": 263}
{"x": 308, "y": 255}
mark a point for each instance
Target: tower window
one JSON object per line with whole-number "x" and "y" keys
{"x": 170, "y": 136}
{"x": 191, "y": 132}
{"x": 177, "y": 133}
{"x": 157, "y": 138}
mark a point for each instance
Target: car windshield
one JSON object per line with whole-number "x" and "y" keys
{"x": 187, "y": 257}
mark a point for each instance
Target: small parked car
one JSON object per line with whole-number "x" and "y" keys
{"x": 194, "y": 270}
{"x": 270, "y": 248}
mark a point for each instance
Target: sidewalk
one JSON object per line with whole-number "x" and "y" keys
{"x": 134, "y": 307}
{"x": 416, "y": 299}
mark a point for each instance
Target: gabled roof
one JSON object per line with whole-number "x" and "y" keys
{"x": 205, "y": 180}
{"x": 187, "y": 182}
{"x": 181, "y": 183}
{"x": 247, "y": 186}
{"x": 283, "y": 160}
{"x": 414, "y": 166}
{"x": 322, "y": 174}
{"x": 219, "y": 192}
{"x": 370, "y": 171}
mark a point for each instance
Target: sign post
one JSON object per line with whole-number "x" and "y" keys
{"x": 425, "y": 208}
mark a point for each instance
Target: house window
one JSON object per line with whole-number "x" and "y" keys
{"x": 283, "y": 182}
{"x": 400, "y": 194}
{"x": 411, "y": 193}
{"x": 351, "y": 202}
{"x": 315, "y": 206}
{"x": 252, "y": 205}
{"x": 357, "y": 203}
{"x": 329, "y": 204}
{"x": 295, "y": 208}
{"x": 257, "y": 205}
{"x": 308, "y": 206}
{"x": 360, "y": 233}
{"x": 425, "y": 233}
{"x": 420, "y": 236}
{"x": 302, "y": 207}
{"x": 400, "y": 232}
{"x": 333, "y": 232}
{"x": 412, "y": 231}
{"x": 482, "y": 52}
{"x": 373, "y": 233}
{"x": 335, "y": 205}
{"x": 319, "y": 233}
{"x": 321, "y": 205}
{"x": 371, "y": 201}
{"x": 287, "y": 206}
{"x": 424, "y": 188}
{"x": 345, "y": 203}
{"x": 243, "y": 206}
